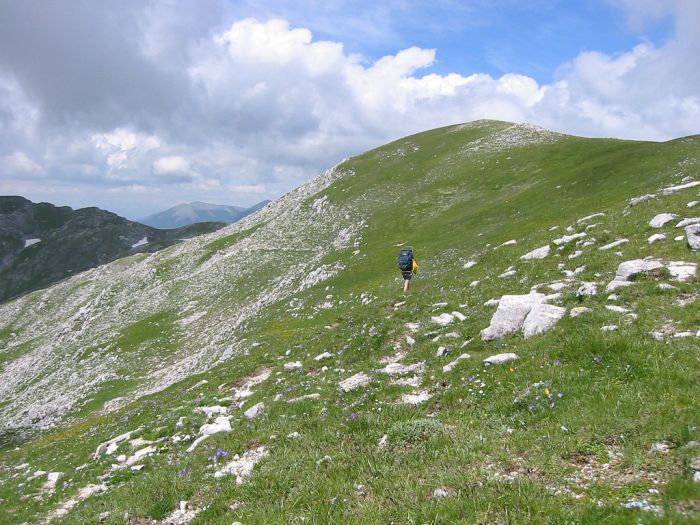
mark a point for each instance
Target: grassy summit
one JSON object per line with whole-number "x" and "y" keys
{"x": 583, "y": 424}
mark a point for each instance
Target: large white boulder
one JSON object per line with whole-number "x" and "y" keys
{"x": 222, "y": 424}
{"x": 510, "y": 315}
{"x": 662, "y": 218}
{"x": 628, "y": 269}
{"x": 541, "y": 318}
{"x": 681, "y": 270}
{"x": 692, "y": 233}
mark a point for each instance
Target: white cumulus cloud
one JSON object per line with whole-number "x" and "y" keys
{"x": 258, "y": 106}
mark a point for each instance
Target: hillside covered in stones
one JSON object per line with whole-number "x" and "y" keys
{"x": 544, "y": 368}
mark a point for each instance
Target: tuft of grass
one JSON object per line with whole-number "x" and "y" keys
{"x": 414, "y": 431}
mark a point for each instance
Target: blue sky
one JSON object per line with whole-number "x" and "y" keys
{"x": 495, "y": 37}
{"x": 135, "y": 106}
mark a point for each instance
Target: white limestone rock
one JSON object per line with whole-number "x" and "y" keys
{"x": 628, "y": 269}
{"x": 102, "y": 447}
{"x": 662, "y": 218}
{"x": 589, "y": 217}
{"x": 216, "y": 409}
{"x": 692, "y": 233}
{"x": 587, "y": 288}
{"x": 354, "y": 382}
{"x": 688, "y": 222}
{"x": 443, "y": 319}
{"x": 416, "y": 398}
{"x": 681, "y": 270}
{"x": 615, "y": 284}
{"x": 576, "y": 254}
{"x": 51, "y": 480}
{"x": 324, "y": 355}
{"x": 440, "y": 493}
{"x": 614, "y": 244}
{"x": 413, "y": 382}
{"x": 255, "y": 411}
{"x": 542, "y": 317}
{"x": 674, "y": 189}
{"x": 296, "y": 365}
{"x": 242, "y": 466}
{"x": 305, "y": 397}
{"x": 500, "y": 358}
{"x": 181, "y": 516}
{"x": 66, "y": 506}
{"x": 609, "y": 328}
{"x": 413, "y": 327}
{"x": 692, "y": 204}
{"x": 469, "y": 264}
{"x": 539, "y": 253}
{"x": 450, "y": 366}
{"x": 561, "y": 241}
{"x": 617, "y": 309}
{"x": 643, "y": 198}
{"x": 222, "y": 424}
{"x": 579, "y": 310}
{"x": 459, "y": 315}
{"x": 398, "y": 369}
{"x": 510, "y": 315}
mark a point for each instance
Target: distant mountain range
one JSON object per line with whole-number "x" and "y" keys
{"x": 41, "y": 243}
{"x": 194, "y": 212}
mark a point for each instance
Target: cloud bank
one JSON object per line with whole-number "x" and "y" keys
{"x": 170, "y": 108}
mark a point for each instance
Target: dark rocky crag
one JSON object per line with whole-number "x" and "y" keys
{"x": 71, "y": 241}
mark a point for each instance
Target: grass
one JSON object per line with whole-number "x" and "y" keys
{"x": 561, "y": 435}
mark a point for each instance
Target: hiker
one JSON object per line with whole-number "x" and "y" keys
{"x": 408, "y": 267}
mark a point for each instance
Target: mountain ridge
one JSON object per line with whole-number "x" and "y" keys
{"x": 197, "y": 211}
{"x": 284, "y": 339}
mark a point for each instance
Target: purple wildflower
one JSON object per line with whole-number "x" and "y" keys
{"x": 557, "y": 362}
{"x": 597, "y": 359}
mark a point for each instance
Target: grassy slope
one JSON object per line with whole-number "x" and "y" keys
{"x": 501, "y": 461}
